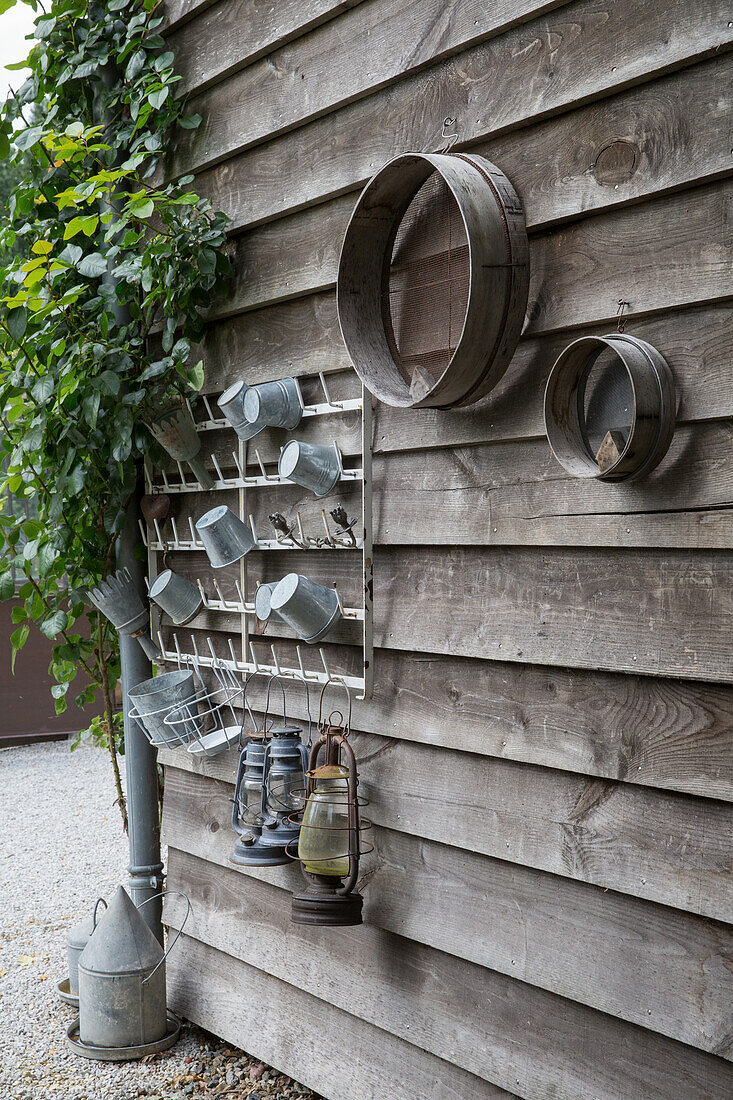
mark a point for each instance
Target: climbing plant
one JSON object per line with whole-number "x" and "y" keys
{"x": 105, "y": 270}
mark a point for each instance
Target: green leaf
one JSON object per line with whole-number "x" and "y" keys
{"x": 136, "y": 64}
{"x": 90, "y": 405}
{"x": 93, "y": 265}
{"x": 17, "y": 322}
{"x": 190, "y": 122}
{"x": 17, "y": 640}
{"x": 195, "y": 376}
{"x": 7, "y": 586}
{"x": 145, "y": 209}
{"x": 157, "y": 99}
{"x": 42, "y": 389}
{"x": 59, "y": 690}
{"x": 109, "y": 383}
{"x": 54, "y": 624}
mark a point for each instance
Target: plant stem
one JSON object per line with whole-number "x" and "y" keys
{"x": 110, "y": 719}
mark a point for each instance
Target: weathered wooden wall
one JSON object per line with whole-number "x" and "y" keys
{"x": 549, "y": 749}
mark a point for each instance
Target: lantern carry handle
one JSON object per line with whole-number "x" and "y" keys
{"x": 247, "y": 709}
{"x": 274, "y": 676}
{"x": 339, "y": 683}
{"x": 250, "y": 678}
{"x": 99, "y": 901}
{"x": 163, "y": 894}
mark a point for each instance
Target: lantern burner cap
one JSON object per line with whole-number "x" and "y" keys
{"x": 330, "y": 771}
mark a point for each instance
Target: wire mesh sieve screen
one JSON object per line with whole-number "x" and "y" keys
{"x": 428, "y": 283}
{"x": 608, "y": 400}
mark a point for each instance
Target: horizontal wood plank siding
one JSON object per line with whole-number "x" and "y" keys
{"x": 248, "y": 918}
{"x": 509, "y": 919}
{"x": 548, "y": 754}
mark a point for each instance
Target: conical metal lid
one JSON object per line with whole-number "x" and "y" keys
{"x": 122, "y": 943}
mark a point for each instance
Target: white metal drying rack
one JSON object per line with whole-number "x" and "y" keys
{"x": 341, "y": 539}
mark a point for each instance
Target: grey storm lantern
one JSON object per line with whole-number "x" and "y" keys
{"x": 119, "y": 601}
{"x": 122, "y": 998}
{"x": 270, "y": 789}
{"x": 175, "y": 430}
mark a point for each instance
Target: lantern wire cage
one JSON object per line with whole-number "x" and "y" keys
{"x": 332, "y": 744}
{"x": 426, "y": 287}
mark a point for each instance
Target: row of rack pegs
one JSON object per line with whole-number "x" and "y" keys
{"x": 243, "y": 480}
{"x": 241, "y": 607}
{"x": 287, "y": 536}
{"x": 321, "y": 408}
{"x": 256, "y": 665}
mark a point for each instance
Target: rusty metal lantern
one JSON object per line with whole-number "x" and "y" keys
{"x": 610, "y": 407}
{"x": 433, "y": 280}
{"x": 330, "y": 842}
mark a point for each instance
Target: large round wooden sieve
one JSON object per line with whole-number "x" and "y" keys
{"x": 610, "y": 407}
{"x": 433, "y": 278}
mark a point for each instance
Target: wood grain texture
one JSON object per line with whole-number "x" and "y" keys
{"x": 422, "y": 994}
{"x": 566, "y": 57}
{"x": 306, "y": 78}
{"x": 658, "y": 733}
{"x": 503, "y": 494}
{"x": 638, "y": 962}
{"x": 664, "y": 847}
{"x": 343, "y": 1058}
{"x": 212, "y": 45}
{"x": 656, "y": 612}
{"x": 675, "y": 131}
{"x": 578, "y": 272}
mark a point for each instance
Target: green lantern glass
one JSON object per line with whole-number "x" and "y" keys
{"x": 323, "y": 847}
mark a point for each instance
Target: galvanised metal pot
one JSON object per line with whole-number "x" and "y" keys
{"x": 313, "y": 466}
{"x": 177, "y": 596}
{"x": 263, "y": 602}
{"x": 226, "y": 539}
{"x": 274, "y": 404}
{"x": 155, "y": 698}
{"x": 175, "y": 430}
{"x": 231, "y": 404}
{"x": 309, "y": 608}
{"x": 118, "y": 599}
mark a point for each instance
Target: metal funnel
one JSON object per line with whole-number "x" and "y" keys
{"x": 273, "y": 404}
{"x": 313, "y": 466}
{"x": 225, "y": 537}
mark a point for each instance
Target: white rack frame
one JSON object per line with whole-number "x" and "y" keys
{"x": 250, "y": 661}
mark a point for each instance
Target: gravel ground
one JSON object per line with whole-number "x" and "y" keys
{"x": 62, "y": 846}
